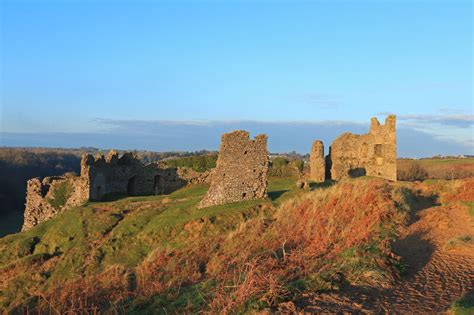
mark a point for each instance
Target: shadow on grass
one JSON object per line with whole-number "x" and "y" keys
{"x": 327, "y": 183}
{"x": 274, "y": 195}
{"x": 464, "y": 305}
{"x": 113, "y": 197}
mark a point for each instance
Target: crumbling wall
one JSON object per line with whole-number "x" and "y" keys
{"x": 317, "y": 162}
{"x": 152, "y": 179}
{"x": 47, "y": 198}
{"x": 193, "y": 177}
{"x": 102, "y": 175}
{"x": 241, "y": 170}
{"x": 372, "y": 154}
{"x": 109, "y": 174}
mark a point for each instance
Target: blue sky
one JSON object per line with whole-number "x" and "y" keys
{"x": 103, "y": 73}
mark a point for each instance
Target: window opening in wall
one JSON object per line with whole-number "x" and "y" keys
{"x": 378, "y": 150}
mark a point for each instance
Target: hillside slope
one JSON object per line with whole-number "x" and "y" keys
{"x": 437, "y": 250}
{"x": 141, "y": 254}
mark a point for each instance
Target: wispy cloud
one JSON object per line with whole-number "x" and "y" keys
{"x": 426, "y": 121}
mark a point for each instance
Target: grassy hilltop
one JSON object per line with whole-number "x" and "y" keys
{"x": 160, "y": 253}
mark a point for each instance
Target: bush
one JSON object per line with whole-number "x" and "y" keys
{"x": 414, "y": 172}
{"x": 198, "y": 163}
{"x": 281, "y": 167}
{"x": 61, "y": 194}
{"x": 279, "y": 162}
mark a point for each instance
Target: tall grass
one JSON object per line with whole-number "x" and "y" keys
{"x": 408, "y": 169}
{"x": 317, "y": 241}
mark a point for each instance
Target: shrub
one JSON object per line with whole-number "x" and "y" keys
{"x": 198, "y": 163}
{"x": 281, "y": 167}
{"x": 279, "y": 162}
{"x": 414, "y": 172}
{"x": 61, "y": 194}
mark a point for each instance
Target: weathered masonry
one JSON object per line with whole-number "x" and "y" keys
{"x": 126, "y": 175}
{"x": 317, "y": 162}
{"x": 371, "y": 154}
{"x": 241, "y": 170}
{"x": 46, "y": 198}
{"x": 350, "y": 155}
{"x": 99, "y": 177}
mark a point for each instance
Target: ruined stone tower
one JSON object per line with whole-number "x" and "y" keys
{"x": 241, "y": 170}
{"x": 371, "y": 154}
{"x": 317, "y": 162}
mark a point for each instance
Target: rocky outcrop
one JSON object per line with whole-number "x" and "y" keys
{"x": 241, "y": 170}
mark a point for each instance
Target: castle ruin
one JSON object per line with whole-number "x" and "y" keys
{"x": 47, "y": 198}
{"x": 317, "y": 162}
{"x": 240, "y": 174}
{"x": 241, "y": 170}
{"x": 350, "y": 155}
{"x": 101, "y": 176}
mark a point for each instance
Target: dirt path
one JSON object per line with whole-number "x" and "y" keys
{"x": 437, "y": 274}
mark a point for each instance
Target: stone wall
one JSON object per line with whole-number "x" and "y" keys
{"x": 110, "y": 174}
{"x": 102, "y": 175}
{"x": 52, "y": 195}
{"x": 372, "y": 154}
{"x": 317, "y": 162}
{"x": 152, "y": 179}
{"x": 241, "y": 170}
{"x": 193, "y": 177}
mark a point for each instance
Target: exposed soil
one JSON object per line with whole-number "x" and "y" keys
{"x": 437, "y": 273}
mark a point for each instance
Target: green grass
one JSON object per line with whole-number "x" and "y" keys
{"x": 97, "y": 235}
{"x": 61, "y": 194}
{"x": 464, "y": 306}
{"x": 89, "y": 239}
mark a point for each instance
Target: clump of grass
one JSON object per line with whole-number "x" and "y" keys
{"x": 61, "y": 193}
{"x": 463, "y": 306}
{"x": 458, "y": 241}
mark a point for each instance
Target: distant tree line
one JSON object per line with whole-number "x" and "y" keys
{"x": 198, "y": 163}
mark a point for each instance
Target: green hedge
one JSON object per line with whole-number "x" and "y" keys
{"x": 198, "y": 163}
